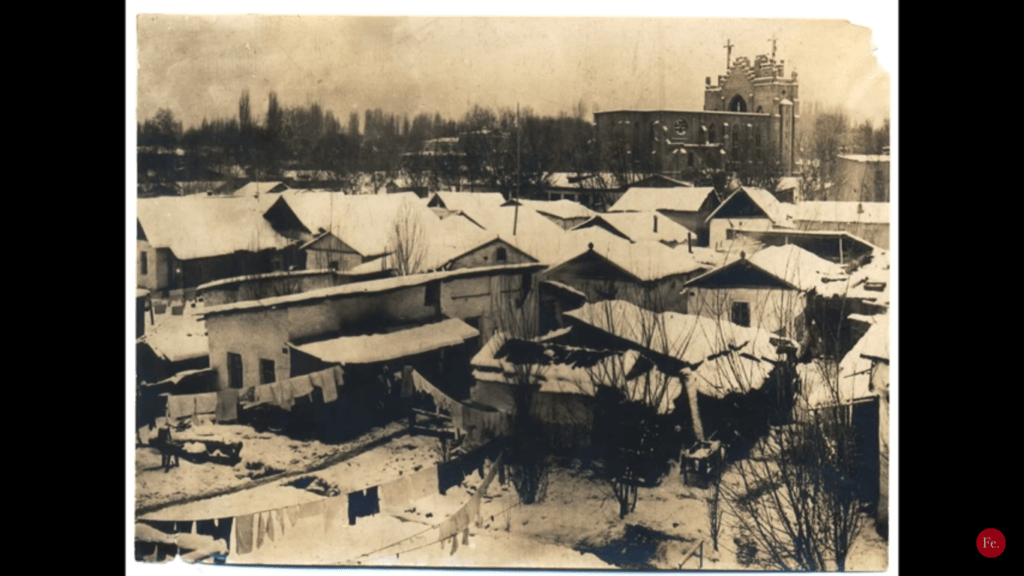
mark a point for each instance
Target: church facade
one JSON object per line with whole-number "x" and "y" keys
{"x": 749, "y": 119}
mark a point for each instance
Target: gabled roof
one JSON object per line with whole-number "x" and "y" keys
{"x": 790, "y": 265}
{"x": 761, "y": 200}
{"x": 522, "y": 227}
{"x": 365, "y": 222}
{"x": 466, "y": 201}
{"x": 441, "y": 250}
{"x": 686, "y": 337}
{"x": 643, "y": 261}
{"x": 564, "y": 209}
{"x": 640, "y": 226}
{"x": 678, "y": 199}
{"x": 202, "y": 226}
{"x": 259, "y": 188}
{"x": 866, "y": 212}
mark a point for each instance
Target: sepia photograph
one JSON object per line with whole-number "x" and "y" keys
{"x": 561, "y": 292}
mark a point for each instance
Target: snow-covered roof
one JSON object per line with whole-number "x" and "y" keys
{"x": 865, "y": 157}
{"x": 865, "y": 212}
{"x": 687, "y": 337}
{"x": 730, "y": 373}
{"x": 366, "y": 222}
{"x": 178, "y": 338}
{"x": 679, "y": 199}
{"x": 795, "y": 265}
{"x": 564, "y": 209}
{"x": 256, "y": 188}
{"x": 645, "y": 261}
{"x": 574, "y": 370}
{"x": 467, "y": 200}
{"x": 371, "y": 348}
{"x": 641, "y": 226}
{"x": 368, "y": 287}
{"x": 204, "y": 226}
{"x": 780, "y": 213}
{"x": 800, "y": 269}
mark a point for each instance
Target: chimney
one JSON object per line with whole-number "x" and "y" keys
{"x": 655, "y": 223}
{"x": 743, "y": 255}
{"x": 590, "y": 245}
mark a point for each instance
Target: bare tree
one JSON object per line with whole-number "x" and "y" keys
{"x": 515, "y": 313}
{"x": 634, "y": 391}
{"x": 407, "y": 246}
{"x": 796, "y": 492}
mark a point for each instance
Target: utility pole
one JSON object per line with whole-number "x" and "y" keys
{"x": 519, "y": 175}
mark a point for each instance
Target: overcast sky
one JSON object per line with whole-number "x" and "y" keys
{"x": 198, "y": 65}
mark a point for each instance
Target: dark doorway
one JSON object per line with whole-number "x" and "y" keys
{"x": 738, "y": 104}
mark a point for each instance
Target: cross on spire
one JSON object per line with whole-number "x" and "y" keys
{"x": 728, "y": 53}
{"x": 773, "y": 40}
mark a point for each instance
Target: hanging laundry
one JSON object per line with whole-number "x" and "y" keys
{"x": 465, "y": 536}
{"x": 396, "y": 495}
{"x": 339, "y": 376}
{"x": 332, "y": 508}
{"x": 270, "y": 525}
{"x": 441, "y": 400}
{"x": 291, "y": 513}
{"x": 227, "y": 405}
{"x": 407, "y": 386}
{"x": 282, "y": 395}
{"x": 455, "y": 544}
{"x": 206, "y": 403}
{"x": 327, "y": 381}
{"x": 310, "y": 509}
{"x": 222, "y": 531}
{"x": 280, "y": 520}
{"x": 263, "y": 394}
{"x": 449, "y": 474}
{"x": 301, "y": 386}
{"x": 473, "y": 508}
{"x": 261, "y": 529}
{"x": 244, "y": 533}
{"x": 360, "y": 504}
{"x": 181, "y": 406}
{"x": 423, "y": 483}
{"x": 446, "y": 529}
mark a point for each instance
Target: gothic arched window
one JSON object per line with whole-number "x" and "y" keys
{"x": 712, "y": 136}
{"x": 738, "y": 104}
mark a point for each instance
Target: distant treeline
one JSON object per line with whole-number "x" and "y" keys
{"x": 481, "y": 147}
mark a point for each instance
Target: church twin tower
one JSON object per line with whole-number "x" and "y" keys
{"x": 749, "y": 119}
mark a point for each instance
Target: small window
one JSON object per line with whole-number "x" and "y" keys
{"x": 234, "y": 370}
{"x": 502, "y": 255}
{"x": 267, "y": 373}
{"x": 332, "y": 265}
{"x": 144, "y": 262}
{"x": 741, "y": 313}
{"x": 432, "y": 296}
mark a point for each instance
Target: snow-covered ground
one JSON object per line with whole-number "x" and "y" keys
{"x": 577, "y": 513}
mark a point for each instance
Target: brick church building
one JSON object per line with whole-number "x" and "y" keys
{"x": 749, "y": 119}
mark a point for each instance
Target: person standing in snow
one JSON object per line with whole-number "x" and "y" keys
{"x": 163, "y": 437}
